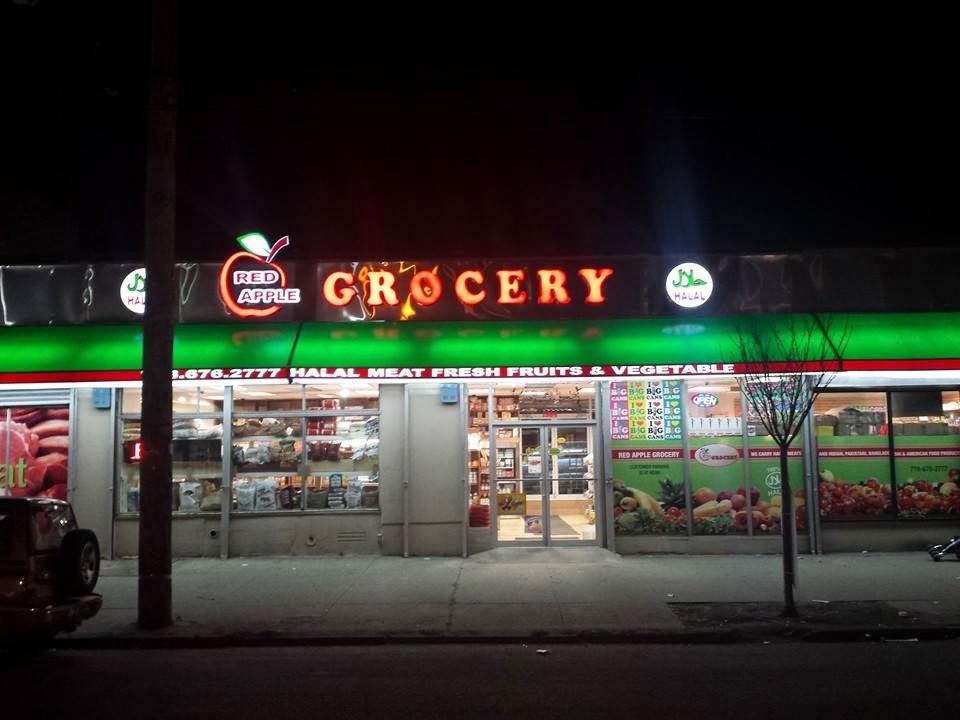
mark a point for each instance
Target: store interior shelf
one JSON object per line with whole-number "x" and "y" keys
{"x": 264, "y": 438}
{"x": 342, "y": 438}
{"x": 317, "y": 473}
{"x": 265, "y": 473}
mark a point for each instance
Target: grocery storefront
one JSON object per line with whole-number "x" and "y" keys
{"x": 447, "y": 408}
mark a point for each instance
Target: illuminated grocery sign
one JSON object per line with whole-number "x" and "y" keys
{"x": 382, "y": 287}
{"x": 251, "y": 284}
{"x": 689, "y": 285}
{"x": 133, "y": 291}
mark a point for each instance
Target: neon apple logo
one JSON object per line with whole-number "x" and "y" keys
{"x": 262, "y": 282}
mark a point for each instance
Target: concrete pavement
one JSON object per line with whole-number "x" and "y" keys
{"x": 568, "y": 593}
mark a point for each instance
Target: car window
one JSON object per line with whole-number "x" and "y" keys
{"x": 6, "y": 533}
{"x": 50, "y": 524}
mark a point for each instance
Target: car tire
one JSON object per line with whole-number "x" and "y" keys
{"x": 79, "y": 562}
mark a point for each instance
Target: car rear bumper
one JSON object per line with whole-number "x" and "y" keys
{"x": 62, "y": 617}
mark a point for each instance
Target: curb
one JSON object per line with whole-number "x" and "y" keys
{"x": 777, "y": 635}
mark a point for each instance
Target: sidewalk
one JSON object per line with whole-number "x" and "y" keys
{"x": 538, "y": 594}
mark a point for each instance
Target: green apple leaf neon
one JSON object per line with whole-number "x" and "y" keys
{"x": 256, "y": 244}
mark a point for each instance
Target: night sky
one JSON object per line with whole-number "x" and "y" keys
{"x": 290, "y": 128}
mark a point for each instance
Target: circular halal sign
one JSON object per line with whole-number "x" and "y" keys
{"x": 773, "y": 478}
{"x": 133, "y": 291}
{"x": 253, "y": 285}
{"x": 705, "y": 400}
{"x": 689, "y": 285}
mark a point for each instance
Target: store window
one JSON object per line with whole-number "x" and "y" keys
{"x": 186, "y": 400}
{"x": 537, "y": 401}
{"x": 853, "y": 455}
{"x": 292, "y": 448}
{"x": 313, "y": 447}
{"x": 196, "y": 450}
{"x": 342, "y": 447}
{"x": 266, "y": 452}
{"x": 926, "y": 438}
{"x": 34, "y": 451}
{"x": 478, "y": 454}
{"x": 715, "y": 426}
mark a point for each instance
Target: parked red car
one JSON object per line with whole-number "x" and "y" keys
{"x": 48, "y": 568}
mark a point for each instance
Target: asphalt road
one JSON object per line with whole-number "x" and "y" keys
{"x": 875, "y": 680}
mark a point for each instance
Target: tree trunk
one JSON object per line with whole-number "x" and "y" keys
{"x": 155, "y": 588}
{"x": 788, "y": 534}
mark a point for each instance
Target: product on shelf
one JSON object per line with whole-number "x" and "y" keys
{"x": 190, "y": 496}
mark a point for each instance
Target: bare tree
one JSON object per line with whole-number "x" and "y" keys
{"x": 786, "y": 365}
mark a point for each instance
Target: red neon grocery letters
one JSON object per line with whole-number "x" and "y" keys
{"x": 464, "y": 293}
{"x": 594, "y": 278}
{"x": 553, "y": 287}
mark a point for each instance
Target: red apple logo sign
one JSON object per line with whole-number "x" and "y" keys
{"x": 251, "y": 284}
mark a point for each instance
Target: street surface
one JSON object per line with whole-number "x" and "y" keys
{"x": 789, "y": 680}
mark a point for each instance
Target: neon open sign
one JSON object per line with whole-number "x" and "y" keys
{"x": 705, "y": 400}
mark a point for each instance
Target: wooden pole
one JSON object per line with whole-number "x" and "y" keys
{"x": 155, "y": 587}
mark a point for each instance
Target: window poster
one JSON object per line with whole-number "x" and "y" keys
{"x": 765, "y": 485}
{"x": 34, "y": 451}
{"x": 928, "y": 475}
{"x": 646, "y": 432}
{"x": 645, "y": 410}
{"x": 854, "y": 476}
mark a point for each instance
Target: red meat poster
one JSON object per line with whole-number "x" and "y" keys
{"x": 34, "y": 451}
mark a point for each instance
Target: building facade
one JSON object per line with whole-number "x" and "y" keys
{"x": 446, "y": 408}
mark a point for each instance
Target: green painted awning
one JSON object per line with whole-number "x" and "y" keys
{"x": 83, "y": 349}
{"x": 874, "y": 341}
{"x": 455, "y": 344}
{"x": 113, "y": 352}
{"x": 901, "y": 336}
{"x": 645, "y": 341}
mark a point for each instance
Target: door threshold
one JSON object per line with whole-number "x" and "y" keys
{"x": 569, "y": 554}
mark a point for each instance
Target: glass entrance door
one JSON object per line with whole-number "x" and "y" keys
{"x": 545, "y": 485}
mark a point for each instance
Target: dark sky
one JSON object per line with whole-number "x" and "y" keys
{"x": 288, "y": 127}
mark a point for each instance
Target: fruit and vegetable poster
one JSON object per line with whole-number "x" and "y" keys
{"x": 717, "y": 484}
{"x": 34, "y": 451}
{"x": 648, "y": 493}
{"x": 854, "y": 476}
{"x": 764, "y": 465}
{"x": 928, "y": 475}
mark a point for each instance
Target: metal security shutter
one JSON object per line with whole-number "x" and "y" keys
{"x": 21, "y": 398}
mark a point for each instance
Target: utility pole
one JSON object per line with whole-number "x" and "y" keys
{"x": 155, "y": 588}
